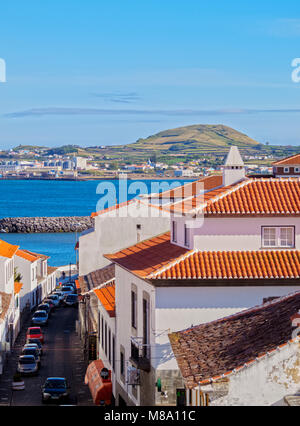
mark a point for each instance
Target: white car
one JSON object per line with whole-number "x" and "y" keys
{"x": 33, "y": 345}
{"x": 59, "y": 294}
{"x": 55, "y": 299}
{"x": 27, "y": 364}
{"x": 66, "y": 289}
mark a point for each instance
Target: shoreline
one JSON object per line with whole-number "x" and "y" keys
{"x": 95, "y": 178}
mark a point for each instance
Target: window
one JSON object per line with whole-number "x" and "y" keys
{"x": 297, "y": 170}
{"x": 105, "y": 338}
{"x": 269, "y": 237}
{"x": 174, "y": 231}
{"x": 286, "y": 170}
{"x": 278, "y": 236}
{"x": 133, "y": 309}
{"x": 122, "y": 364}
{"x": 113, "y": 353}
{"x": 186, "y": 236}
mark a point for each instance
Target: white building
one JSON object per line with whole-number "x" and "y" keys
{"x": 9, "y": 300}
{"x": 229, "y": 249}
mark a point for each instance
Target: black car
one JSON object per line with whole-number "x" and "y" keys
{"x": 44, "y": 307}
{"x": 37, "y": 342}
{"x": 71, "y": 300}
{"x": 55, "y": 389}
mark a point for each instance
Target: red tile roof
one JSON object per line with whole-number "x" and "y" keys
{"x": 159, "y": 259}
{"x": 27, "y": 255}
{"x": 96, "y": 278}
{"x": 106, "y": 295}
{"x": 294, "y": 160}
{"x": 208, "y": 352}
{"x": 17, "y": 287}
{"x": 192, "y": 188}
{"x": 7, "y": 250}
{"x": 228, "y": 265}
{"x": 146, "y": 257}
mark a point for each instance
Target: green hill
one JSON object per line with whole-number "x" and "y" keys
{"x": 199, "y": 138}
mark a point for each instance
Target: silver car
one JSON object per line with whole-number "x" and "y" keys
{"x": 27, "y": 364}
{"x": 40, "y": 318}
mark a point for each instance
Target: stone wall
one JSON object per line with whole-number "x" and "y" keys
{"x": 45, "y": 224}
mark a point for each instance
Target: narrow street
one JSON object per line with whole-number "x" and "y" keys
{"x": 62, "y": 357}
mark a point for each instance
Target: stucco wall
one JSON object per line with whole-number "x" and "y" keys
{"x": 238, "y": 233}
{"x": 265, "y": 382}
{"x": 113, "y": 233}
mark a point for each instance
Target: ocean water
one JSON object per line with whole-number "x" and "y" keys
{"x": 64, "y": 198}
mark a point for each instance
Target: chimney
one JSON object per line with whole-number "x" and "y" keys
{"x": 234, "y": 168}
{"x": 295, "y": 320}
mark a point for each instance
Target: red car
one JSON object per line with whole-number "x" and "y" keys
{"x": 35, "y": 333}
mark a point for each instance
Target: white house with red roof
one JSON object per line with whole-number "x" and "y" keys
{"x": 37, "y": 277}
{"x": 287, "y": 167}
{"x": 230, "y": 248}
{"x": 9, "y": 300}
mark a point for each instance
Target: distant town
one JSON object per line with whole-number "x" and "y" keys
{"x": 39, "y": 162}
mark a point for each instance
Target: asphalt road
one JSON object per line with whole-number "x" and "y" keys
{"x": 62, "y": 357}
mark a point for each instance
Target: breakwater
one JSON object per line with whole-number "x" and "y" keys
{"x": 30, "y": 225}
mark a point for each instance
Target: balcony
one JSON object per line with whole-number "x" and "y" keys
{"x": 140, "y": 354}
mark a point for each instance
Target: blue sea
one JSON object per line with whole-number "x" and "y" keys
{"x": 20, "y": 198}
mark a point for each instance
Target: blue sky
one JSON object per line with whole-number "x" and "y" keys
{"x": 109, "y": 72}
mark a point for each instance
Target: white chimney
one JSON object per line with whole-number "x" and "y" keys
{"x": 234, "y": 168}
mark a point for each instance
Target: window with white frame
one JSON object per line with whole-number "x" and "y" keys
{"x": 286, "y": 170}
{"x": 297, "y": 169}
{"x": 278, "y": 236}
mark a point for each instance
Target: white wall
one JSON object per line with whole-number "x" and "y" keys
{"x": 25, "y": 268}
{"x": 113, "y": 233}
{"x": 124, "y": 280}
{"x": 237, "y": 233}
{"x": 265, "y": 382}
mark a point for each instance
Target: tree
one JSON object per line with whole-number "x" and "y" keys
{"x": 17, "y": 276}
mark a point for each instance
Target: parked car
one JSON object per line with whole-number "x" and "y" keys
{"x": 44, "y": 307}
{"x": 32, "y": 351}
{"x": 33, "y": 340}
{"x": 55, "y": 389}
{"x": 66, "y": 289}
{"x": 50, "y": 303}
{"x": 40, "y": 317}
{"x": 71, "y": 300}
{"x": 59, "y": 294}
{"x": 35, "y": 332}
{"x": 35, "y": 346}
{"x": 27, "y": 364}
{"x": 55, "y": 299}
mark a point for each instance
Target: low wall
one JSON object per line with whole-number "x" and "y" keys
{"x": 28, "y": 225}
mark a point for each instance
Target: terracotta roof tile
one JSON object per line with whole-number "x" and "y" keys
{"x": 17, "y": 287}
{"x": 258, "y": 197}
{"x": 146, "y": 257}
{"x": 192, "y": 188}
{"x": 96, "y": 278}
{"x": 228, "y": 265}
{"x": 27, "y": 255}
{"x": 214, "y": 349}
{"x": 106, "y": 295}
{"x": 7, "y": 250}
{"x": 294, "y": 160}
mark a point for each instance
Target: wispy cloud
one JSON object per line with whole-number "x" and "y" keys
{"x": 58, "y": 111}
{"x": 124, "y": 98}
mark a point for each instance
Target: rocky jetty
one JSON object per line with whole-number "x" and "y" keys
{"x": 29, "y": 225}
